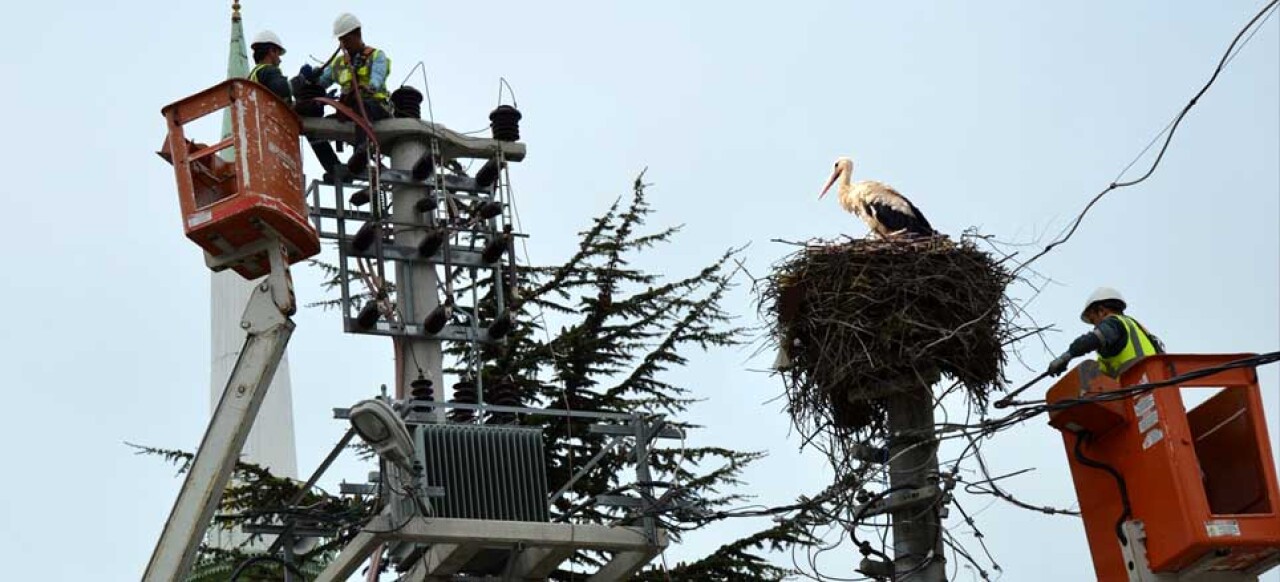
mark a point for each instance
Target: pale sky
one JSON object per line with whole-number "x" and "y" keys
{"x": 1003, "y": 115}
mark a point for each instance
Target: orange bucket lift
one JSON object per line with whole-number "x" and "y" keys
{"x": 1196, "y": 488}
{"x": 235, "y": 209}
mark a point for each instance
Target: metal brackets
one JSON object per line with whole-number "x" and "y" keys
{"x": 900, "y": 500}
{"x": 545, "y": 546}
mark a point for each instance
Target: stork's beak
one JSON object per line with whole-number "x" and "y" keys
{"x": 835, "y": 174}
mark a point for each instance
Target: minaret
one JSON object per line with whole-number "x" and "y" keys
{"x": 271, "y": 442}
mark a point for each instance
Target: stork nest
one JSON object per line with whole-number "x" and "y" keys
{"x": 860, "y": 320}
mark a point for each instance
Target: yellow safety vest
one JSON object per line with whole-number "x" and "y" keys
{"x": 253, "y": 75}
{"x": 342, "y": 73}
{"x": 1136, "y": 345}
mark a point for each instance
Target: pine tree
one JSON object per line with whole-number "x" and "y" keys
{"x": 620, "y": 330}
{"x": 255, "y": 496}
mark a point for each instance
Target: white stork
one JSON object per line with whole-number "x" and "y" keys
{"x": 885, "y": 211}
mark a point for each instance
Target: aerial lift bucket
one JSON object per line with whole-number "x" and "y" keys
{"x": 1200, "y": 483}
{"x": 235, "y": 209}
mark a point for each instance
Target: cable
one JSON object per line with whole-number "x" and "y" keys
{"x": 1083, "y": 436}
{"x": 426, "y": 88}
{"x": 1031, "y": 410}
{"x": 1136, "y": 389}
{"x": 502, "y": 82}
{"x": 993, "y": 489}
{"x": 1171, "y": 129}
{"x": 420, "y": 65}
{"x": 240, "y": 570}
{"x": 555, "y": 357}
{"x": 978, "y": 535}
{"x": 865, "y": 547}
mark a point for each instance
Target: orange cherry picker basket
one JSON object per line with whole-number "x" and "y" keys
{"x": 235, "y": 206}
{"x": 1201, "y": 480}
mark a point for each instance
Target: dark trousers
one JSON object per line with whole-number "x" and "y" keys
{"x": 375, "y": 111}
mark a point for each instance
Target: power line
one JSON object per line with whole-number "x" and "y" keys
{"x": 1168, "y": 131}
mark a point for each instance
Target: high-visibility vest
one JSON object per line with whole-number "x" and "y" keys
{"x": 342, "y": 73}
{"x": 1137, "y": 344}
{"x": 253, "y": 75}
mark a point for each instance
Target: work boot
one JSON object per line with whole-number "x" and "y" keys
{"x": 359, "y": 161}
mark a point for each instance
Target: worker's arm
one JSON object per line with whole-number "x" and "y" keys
{"x": 274, "y": 80}
{"x": 1107, "y": 338}
{"x": 326, "y": 76}
{"x": 378, "y": 71}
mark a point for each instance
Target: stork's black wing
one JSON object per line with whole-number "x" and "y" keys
{"x": 894, "y": 220}
{"x": 925, "y": 227}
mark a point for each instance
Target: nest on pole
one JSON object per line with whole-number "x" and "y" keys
{"x": 860, "y": 320}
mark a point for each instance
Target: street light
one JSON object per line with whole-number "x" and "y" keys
{"x": 382, "y": 429}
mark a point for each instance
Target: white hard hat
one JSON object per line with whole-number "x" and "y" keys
{"x": 1101, "y": 294}
{"x": 267, "y": 37}
{"x": 345, "y": 23}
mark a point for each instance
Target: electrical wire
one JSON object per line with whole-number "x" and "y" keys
{"x": 556, "y": 358}
{"x": 857, "y": 516}
{"x": 421, "y": 65}
{"x": 1137, "y": 389}
{"x": 1029, "y": 410}
{"x": 975, "y": 433}
{"x": 244, "y": 566}
{"x": 1083, "y": 437}
{"x": 988, "y": 485}
{"x": 977, "y": 535}
{"x": 502, "y": 82}
{"x": 1168, "y": 132}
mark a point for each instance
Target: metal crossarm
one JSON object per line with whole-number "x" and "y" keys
{"x": 544, "y": 546}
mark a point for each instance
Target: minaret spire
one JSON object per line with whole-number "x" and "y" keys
{"x": 238, "y": 57}
{"x": 271, "y": 444}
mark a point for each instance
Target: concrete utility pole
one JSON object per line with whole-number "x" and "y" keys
{"x": 913, "y": 462}
{"x": 424, "y": 544}
{"x": 417, "y": 283}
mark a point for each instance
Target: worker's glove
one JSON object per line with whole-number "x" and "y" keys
{"x": 1059, "y": 364}
{"x": 310, "y": 73}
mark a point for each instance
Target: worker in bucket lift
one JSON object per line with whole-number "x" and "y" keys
{"x": 360, "y": 65}
{"x": 267, "y": 53}
{"x": 1119, "y": 339}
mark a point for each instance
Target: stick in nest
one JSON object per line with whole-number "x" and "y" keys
{"x": 858, "y": 320}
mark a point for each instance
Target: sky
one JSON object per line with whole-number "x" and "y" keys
{"x": 1005, "y": 116}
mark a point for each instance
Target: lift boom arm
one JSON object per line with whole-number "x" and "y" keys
{"x": 266, "y": 319}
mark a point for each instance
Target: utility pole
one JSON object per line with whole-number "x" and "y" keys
{"x": 496, "y": 498}
{"x": 913, "y": 463}
{"x": 417, "y": 282}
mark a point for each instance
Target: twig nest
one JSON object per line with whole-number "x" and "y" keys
{"x": 859, "y": 320}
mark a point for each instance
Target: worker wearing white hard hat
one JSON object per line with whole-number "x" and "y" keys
{"x": 267, "y": 53}
{"x": 361, "y": 71}
{"x": 1118, "y": 338}
{"x": 267, "y": 39}
{"x": 357, "y": 64}
{"x": 344, "y": 24}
